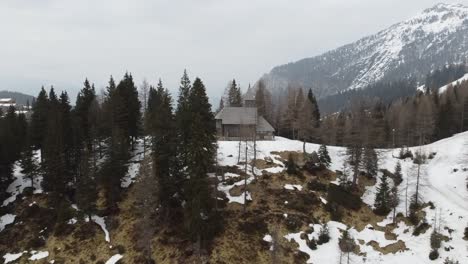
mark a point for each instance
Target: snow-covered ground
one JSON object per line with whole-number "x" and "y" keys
{"x": 21, "y": 182}
{"x": 443, "y": 182}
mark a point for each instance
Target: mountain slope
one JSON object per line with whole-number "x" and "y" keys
{"x": 281, "y": 208}
{"x": 433, "y": 38}
{"x": 20, "y": 98}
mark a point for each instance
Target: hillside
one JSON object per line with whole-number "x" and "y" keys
{"x": 20, "y": 98}
{"x": 412, "y": 48}
{"x": 283, "y": 211}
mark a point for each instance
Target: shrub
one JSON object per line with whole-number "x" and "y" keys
{"x": 120, "y": 249}
{"x": 343, "y": 197}
{"x": 434, "y": 254}
{"x": 312, "y": 167}
{"x": 466, "y": 232}
{"x": 303, "y": 202}
{"x": 35, "y": 243}
{"x": 436, "y": 240}
{"x": 336, "y": 212}
{"x": 324, "y": 235}
{"x": 450, "y": 261}
{"x": 413, "y": 217}
{"x": 300, "y": 257}
{"x": 291, "y": 166}
{"x": 312, "y": 244}
{"x": 420, "y": 229}
{"x": 255, "y": 226}
{"x": 310, "y": 230}
{"x": 293, "y": 223}
{"x": 315, "y": 185}
{"x": 405, "y": 153}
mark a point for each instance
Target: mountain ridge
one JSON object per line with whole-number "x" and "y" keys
{"x": 412, "y": 48}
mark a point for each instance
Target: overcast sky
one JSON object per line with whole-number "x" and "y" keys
{"x": 61, "y": 42}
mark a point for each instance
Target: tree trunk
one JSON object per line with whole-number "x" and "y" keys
{"x": 239, "y": 152}
{"x": 245, "y": 179}
{"x": 304, "y": 147}
{"x": 417, "y": 184}
{"x": 406, "y": 198}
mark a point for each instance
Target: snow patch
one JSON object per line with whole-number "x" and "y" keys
{"x": 101, "y": 222}
{"x": 114, "y": 259}
{"x": 36, "y": 255}
{"x": 9, "y": 257}
{"x": 6, "y": 220}
{"x": 293, "y": 187}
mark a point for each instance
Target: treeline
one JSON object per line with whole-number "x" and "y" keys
{"x": 389, "y": 91}
{"x": 383, "y": 115}
{"x": 411, "y": 121}
{"x": 386, "y": 92}
{"x": 444, "y": 75}
{"x": 83, "y": 152}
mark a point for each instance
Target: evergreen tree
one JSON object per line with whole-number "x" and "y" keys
{"x": 128, "y": 93}
{"x": 394, "y": 200}
{"x": 324, "y": 157}
{"x": 445, "y": 120}
{"x": 397, "y": 173}
{"x": 235, "y": 97}
{"x": 11, "y": 142}
{"x": 70, "y": 143}
{"x": 201, "y": 150}
{"x": 55, "y": 176}
{"x": 324, "y": 234}
{"x": 39, "y": 119}
{"x": 382, "y": 198}
{"x": 83, "y": 105}
{"x": 163, "y": 134}
{"x": 115, "y": 168}
{"x": 107, "y": 108}
{"x": 29, "y": 165}
{"x": 86, "y": 192}
{"x": 316, "y": 111}
{"x": 183, "y": 117}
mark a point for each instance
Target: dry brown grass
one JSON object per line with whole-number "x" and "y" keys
{"x": 396, "y": 247}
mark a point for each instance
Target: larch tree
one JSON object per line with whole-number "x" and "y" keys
{"x": 306, "y": 123}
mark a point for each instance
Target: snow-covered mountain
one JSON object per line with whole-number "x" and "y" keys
{"x": 435, "y": 37}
